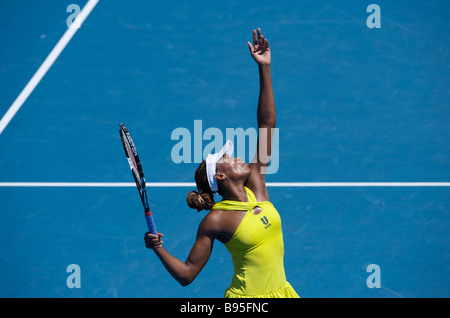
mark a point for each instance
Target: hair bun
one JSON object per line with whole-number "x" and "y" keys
{"x": 199, "y": 201}
{"x": 200, "y": 198}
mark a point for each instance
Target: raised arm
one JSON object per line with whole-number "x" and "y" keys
{"x": 266, "y": 116}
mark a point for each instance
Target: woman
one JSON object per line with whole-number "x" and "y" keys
{"x": 244, "y": 221}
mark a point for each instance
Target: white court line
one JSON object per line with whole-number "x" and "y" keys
{"x": 192, "y": 184}
{"x": 51, "y": 58}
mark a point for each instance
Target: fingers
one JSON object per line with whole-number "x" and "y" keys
{"x": 250, "y": 46}
{"x": 153, "y": 241}
{"x": 263, "y": 41}
{"x": 149, "y": 235}
{"x": 257, "y": 36}
{"x": 259, "y": 41}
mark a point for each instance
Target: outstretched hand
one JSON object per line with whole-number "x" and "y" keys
{"x": 260, "y": 50}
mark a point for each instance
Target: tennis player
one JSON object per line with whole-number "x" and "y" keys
{"x": 244, "y": 221}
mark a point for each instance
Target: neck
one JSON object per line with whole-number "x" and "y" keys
{"x": 235, "y": 193}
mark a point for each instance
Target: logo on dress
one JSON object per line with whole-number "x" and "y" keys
{"x": 265, "y": 221}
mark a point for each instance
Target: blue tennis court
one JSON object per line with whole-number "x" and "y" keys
{"x": 354, "y": 104}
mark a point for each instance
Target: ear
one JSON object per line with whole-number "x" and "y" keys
{"x": 220, "y": 176}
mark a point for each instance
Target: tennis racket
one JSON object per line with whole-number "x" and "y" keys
{"x": 138, "y": 173}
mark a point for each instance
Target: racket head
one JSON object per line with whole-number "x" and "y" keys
{"x": 134, "y": 163}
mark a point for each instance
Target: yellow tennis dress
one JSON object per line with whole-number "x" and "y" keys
{"x": 257, "y": 252}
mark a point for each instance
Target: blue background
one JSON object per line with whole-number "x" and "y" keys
{"x": 354, "y": 104}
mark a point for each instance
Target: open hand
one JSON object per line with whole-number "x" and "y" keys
{"x": 260, "y": 50}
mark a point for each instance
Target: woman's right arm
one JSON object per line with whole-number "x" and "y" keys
{"x": 185, "y": 272}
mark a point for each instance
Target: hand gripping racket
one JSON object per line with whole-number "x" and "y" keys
{"x": 138, "y": 173}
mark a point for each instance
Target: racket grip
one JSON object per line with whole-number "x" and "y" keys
{"x": 150, "y": 222}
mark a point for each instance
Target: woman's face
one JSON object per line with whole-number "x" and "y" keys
{"x": 233, "y": 168}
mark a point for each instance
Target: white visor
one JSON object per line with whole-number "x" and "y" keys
{"x": 211, "y": 161}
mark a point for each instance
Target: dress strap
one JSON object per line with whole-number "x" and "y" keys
{"x": 230, "y": 205}
{"x": 250, "y": 196}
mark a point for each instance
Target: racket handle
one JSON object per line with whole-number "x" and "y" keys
{"x": 150, "y": 222}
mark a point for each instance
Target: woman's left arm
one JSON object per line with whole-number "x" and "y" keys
{"x": 266, "y": 116}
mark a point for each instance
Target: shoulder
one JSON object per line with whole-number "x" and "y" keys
{"x": 221, "y": 224}
{"x": 211, "y": 222}
{"x": 213, "y": 218}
